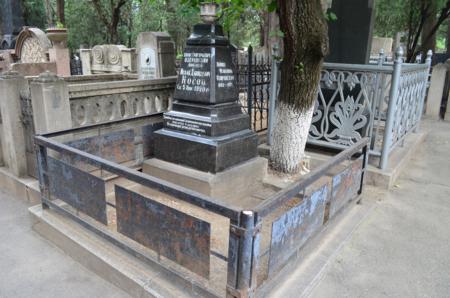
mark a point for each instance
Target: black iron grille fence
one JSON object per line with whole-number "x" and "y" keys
{"x": 254, "y": 89}
{"x": 75, "y": 67}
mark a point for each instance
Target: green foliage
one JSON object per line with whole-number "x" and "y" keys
{"x": 34, "y": 13}
{"x": 330, "y": 16}
{"x": 83, "y": 26}
{"x": 391, "y": 17}
{"x": 231, "y": 11}
{"x": 241, "y": 19}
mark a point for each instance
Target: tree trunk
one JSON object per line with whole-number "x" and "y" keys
{"x": 428, "y": 38}
{"x": 60, "y": 11}
{"x": 49, "y": 12}
{"x": 305, "y": 46}
{"x": 269, "y": 30}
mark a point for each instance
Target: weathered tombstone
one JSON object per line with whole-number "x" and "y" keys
{"x": 381, "y": 43}
{"x": 108, "y": 59}
{"x": 436, "y": 89}
{"x": 32, "y": 50}
{"x": 206, "y": 143}
{"x": 156, "y": 55}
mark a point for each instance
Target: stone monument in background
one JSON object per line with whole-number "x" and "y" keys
{"x": 206, "y": 143}
{"x": 59, "y": 53}
{"x": 32, "y": 53}
{"x": 156, "y": 55}
{"x": 350, "y": 35}
{"x": 108, "y": 59}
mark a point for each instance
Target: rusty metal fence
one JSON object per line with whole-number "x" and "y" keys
{"x": 206, "y": 245}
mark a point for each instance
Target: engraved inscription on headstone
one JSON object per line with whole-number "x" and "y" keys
{"x": 148, "y": 63}
{"x": 188, "y": 125}
{"x": 224, "y": 76}
{"x": 199, "y": 66}
{"x": 196, "y": 74}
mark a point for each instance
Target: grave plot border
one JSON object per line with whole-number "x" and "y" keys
{"x": 246, "y": 226}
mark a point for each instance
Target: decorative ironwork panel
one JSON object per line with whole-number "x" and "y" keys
{"x": 79, "y": 189}
{"x": 291, "y": 230}
{"x": 409, "y": 103}
{"x": 173, "y": 234}
{"x": 344, "y": 110}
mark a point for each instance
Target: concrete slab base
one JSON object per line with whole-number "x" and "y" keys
{"x": 244, "y": 178}
{"x": 135, "y": 277}
{"x": 25, "y": 188}
{"x": 398, "y": 160}
{"x": 384, "y": 179}
{"x": 140, "y": 279}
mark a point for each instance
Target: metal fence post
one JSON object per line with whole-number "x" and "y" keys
{"x": 393, "y": 96}
{"x": 424, "y": 92}
{"x": 381, "y": 57}
{"x": 273, "y": 93}
{"x": 419, "y": 58}
{"x": 243, "y": 283}
{"x": 250, "y": 84}
{"x": 42, "y": 168}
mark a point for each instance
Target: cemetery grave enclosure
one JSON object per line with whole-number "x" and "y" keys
{"x": 188, "y": 192}
{"x": 96, "y": 179}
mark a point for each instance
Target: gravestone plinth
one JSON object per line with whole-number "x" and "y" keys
{"x": 206, "y": 129}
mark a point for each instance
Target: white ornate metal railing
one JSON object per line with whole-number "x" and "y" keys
{"x": 110, "y": 101}
{"x": 382, "y": 102}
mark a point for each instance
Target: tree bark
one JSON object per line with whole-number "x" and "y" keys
{"x": 305, "y": 46}
{"x": 112, "y": 23}
{"x": 60, "y": 11}
{"x": 270, "y": 27}
{"x": 428, "y": 38}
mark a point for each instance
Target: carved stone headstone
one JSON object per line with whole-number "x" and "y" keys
{"x": 108, "y": 59}
{"x": 435, "y": 92}
{"x": 32, "y": 46}
{"x": 206, "y": 129}
{"x": 156, "y": 55}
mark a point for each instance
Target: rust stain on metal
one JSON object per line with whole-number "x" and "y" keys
{"x": 173, "y": 234}
{"x": 345, "y": 186}
{"x": 77, "y": 188}
{"x": 115, "y": 146}
{"x": 292, "y": 229}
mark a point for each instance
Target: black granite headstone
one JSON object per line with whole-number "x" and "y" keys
{"x": 351, "y": 35}
{"x": 206, "y": 128}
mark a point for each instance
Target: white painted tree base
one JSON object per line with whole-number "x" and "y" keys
{"x": 289, "y": 138}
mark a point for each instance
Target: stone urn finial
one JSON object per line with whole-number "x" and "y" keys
{"x": 58, "y": 36}
{"x": 208, "y": 12}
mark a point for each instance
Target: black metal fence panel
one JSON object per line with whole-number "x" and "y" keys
{"x": 173, "y": 234}
{"x": 81, "y": 190}
{"x": 75, "y": 67}
{"x": 254, "y": 89}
